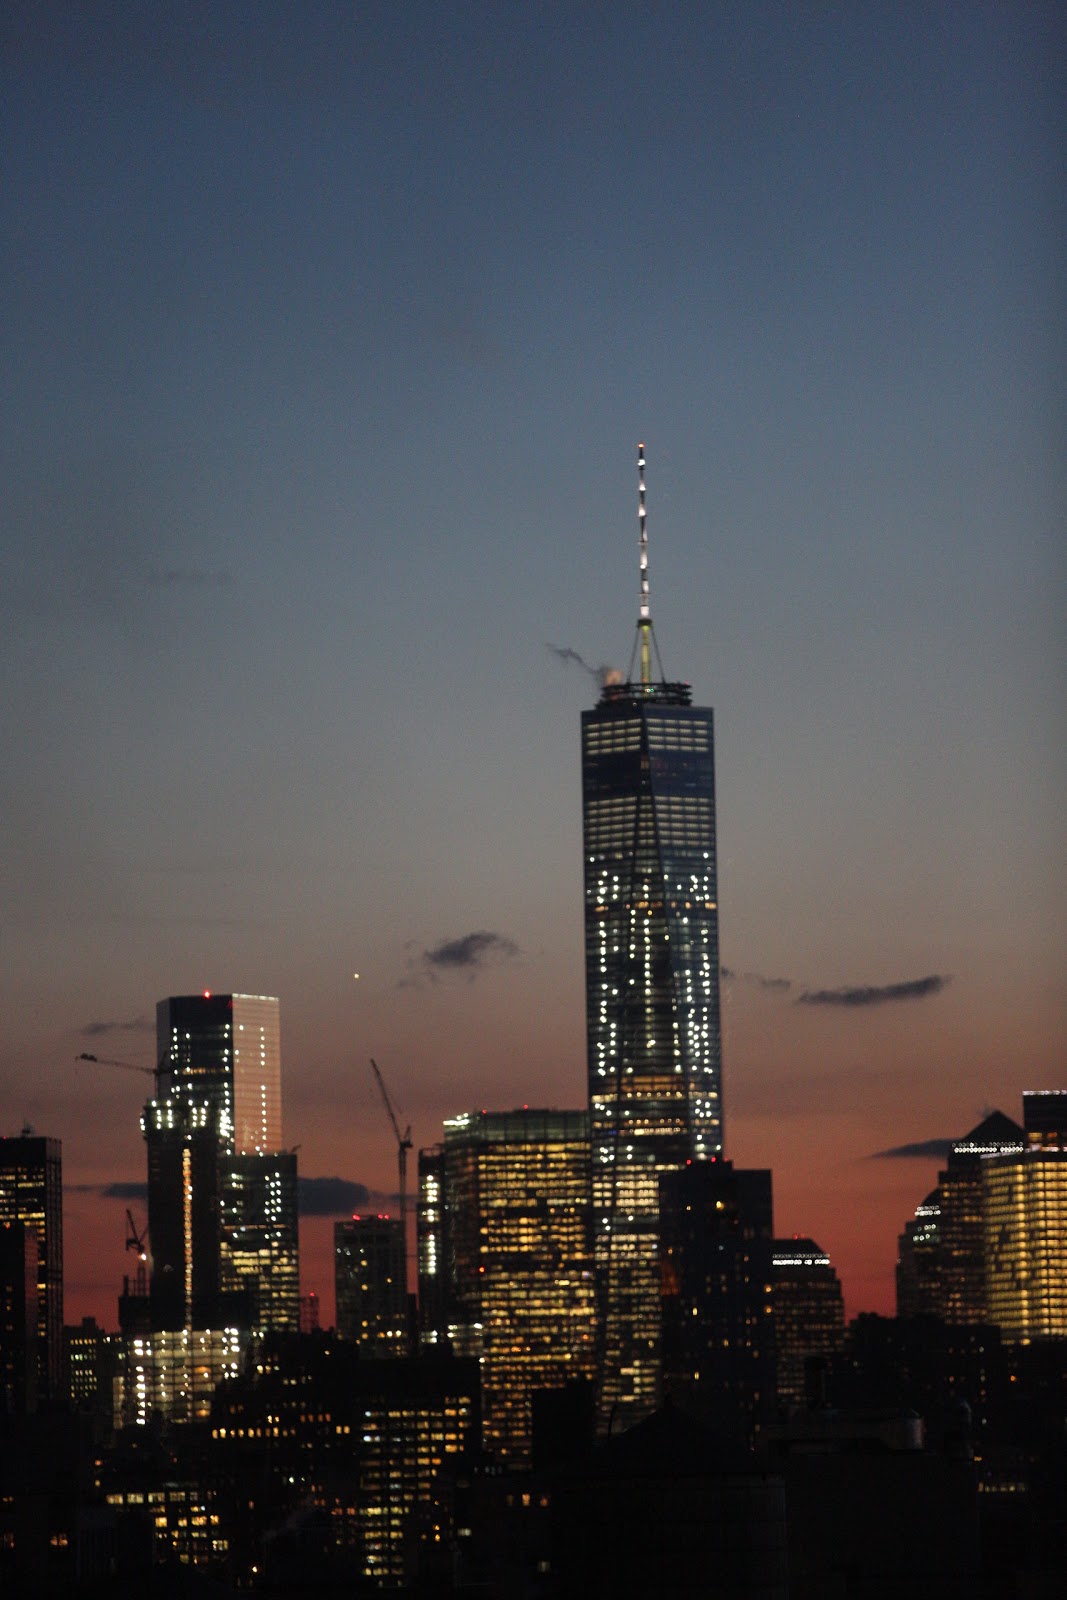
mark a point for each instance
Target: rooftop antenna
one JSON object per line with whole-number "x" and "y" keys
{"x": 644, "y": 618}
{"x": 645, "y": 636}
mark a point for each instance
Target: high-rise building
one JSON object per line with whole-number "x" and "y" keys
{"x": 1025, "y": 1220}
{"x": 941, "y": 1253}
{"x": 716, "y": 1233}
{"x": 221, "y": 1053}
{"x": 222, "y": 1211}
{"x": 961, "y": 1269}
{"x": 31, "y": 1192}
{"x": 259, "y": 1244}
{"x": 919, "y": 1261}
{"x": 513, "y": 1188}
{"x": 370, "y": 1277}
{"x": 652, "y": 987}
{"x": 93, "y": 1363}
{"x": 809, "y": 1316}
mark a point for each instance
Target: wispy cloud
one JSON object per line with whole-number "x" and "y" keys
{"x": 875, "y": 994}
{"x": 924, "y": 1150}
{"x": 94, "y": 1030}
{"x": 329, "y": 1197}
{"x": 758, "y": 980}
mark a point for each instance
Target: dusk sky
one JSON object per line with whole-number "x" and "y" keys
{"x": 330, "y": 332}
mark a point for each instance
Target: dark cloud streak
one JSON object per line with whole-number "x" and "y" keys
{"x": 923, "y": 1150}
{"x": 875, "y": 995}
{"x": 130, "y": 1192}
{"x": 93, "y": 1030}
{"x": 758, "y": 980}
{"x": 329, "y": 1197}
{"x": 470, "y": 952}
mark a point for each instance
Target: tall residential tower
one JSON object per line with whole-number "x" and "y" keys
{"x": 652, "y": 987}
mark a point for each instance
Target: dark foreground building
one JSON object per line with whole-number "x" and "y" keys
{"x": 31, "y": 1193}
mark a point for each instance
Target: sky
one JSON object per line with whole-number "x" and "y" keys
{"x": 329, "y": 334}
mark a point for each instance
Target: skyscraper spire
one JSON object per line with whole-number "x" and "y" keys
{"x": 652, "y": 988}
{"x": 644, "y": 618}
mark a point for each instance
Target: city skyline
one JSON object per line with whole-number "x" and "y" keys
{"x": 328, "y": 360}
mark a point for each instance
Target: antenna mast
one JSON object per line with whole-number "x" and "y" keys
{"x": 644, "y": 616}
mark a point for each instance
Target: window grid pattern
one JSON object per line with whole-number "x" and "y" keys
{"x": 652, "y": 992}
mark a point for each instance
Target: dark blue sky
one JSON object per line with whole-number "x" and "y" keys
{"x": 330, "y": 333}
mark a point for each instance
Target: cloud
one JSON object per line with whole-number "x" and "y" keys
{"x": 565, "y": 654}
{"x": 124, "y": 1191}
{"x": 875, "y": 995}
{"x": 758, "y": 981}
{"x": 469, "y": 953}
{"x": 329, "y": 1197}
{"x": 190, "y": 578}
{"x": 925, "y": 1149}
{"x": 93, "y": 1030}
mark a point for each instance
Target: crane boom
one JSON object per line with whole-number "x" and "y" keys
{"x": 403, "y": 1145}
{"x": 388, "y": 1105}
{"x": 127, "y": 1066}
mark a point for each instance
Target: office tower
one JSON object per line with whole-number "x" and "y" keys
{"x": 221, "y": 1054}
{"x": 222, "y": 1213}
{"x": 652, "y": 987}
{"x": 183, "y": 1216}
{"x": 370, "y": 1277}
{"x": 716, "y": 1234}
{"x": 941, "y": 1253}
{"x": 259, "y": 1244}
{"x": 809, "y": 1317}
{"x": 513, "y": 1190}
{"x": 1025, "y": 1218}
{"x": 962, "y": 1287}
{"x": 918, "y": 1272}
{"x": 18, "y": 1319}
{"x": 31, "y": 1192}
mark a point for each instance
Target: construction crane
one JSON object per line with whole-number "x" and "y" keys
{"x": 135, "y": 1240}
{"x": 127, "y": 1066}
{"x": 403, "y": 1145}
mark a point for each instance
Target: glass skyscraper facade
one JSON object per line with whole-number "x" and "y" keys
{"x": 222, "y": 1208}
{"x": 652, "y": 999}
{"x": 505, "y": 1259}
{"x": 651, "y": 985}
{"x": 223, "y": 1052}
